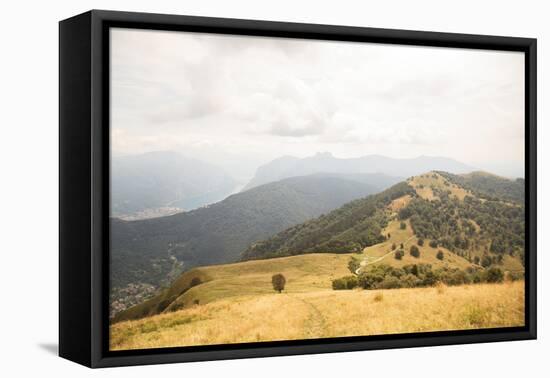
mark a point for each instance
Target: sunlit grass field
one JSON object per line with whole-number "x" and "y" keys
{"x": 326, "y": 313}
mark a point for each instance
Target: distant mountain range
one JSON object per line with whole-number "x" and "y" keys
{"x": 165, "y": 181}
{"x": 153, "y": 251}
{"x": 289, "y": 166}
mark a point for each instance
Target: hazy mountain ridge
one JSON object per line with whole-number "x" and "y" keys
{"x": 289, "y": 166}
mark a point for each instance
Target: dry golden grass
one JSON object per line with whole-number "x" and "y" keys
{"x": 327, "y": 313}
{"x": 382, "y": 253}
{"x": 424, "y": 185}
{"x": 399, "y": 203}
{"x": 397, "y": 236}
{"x": 303, "y": 273}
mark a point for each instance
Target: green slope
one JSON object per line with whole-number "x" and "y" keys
{"x": 155, "y": 251}
{"x": 482, "y": 221}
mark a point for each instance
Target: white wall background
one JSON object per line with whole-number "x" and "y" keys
{"x": 29, "y": 188}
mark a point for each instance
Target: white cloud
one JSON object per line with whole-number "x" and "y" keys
{"x": 268, "y": 97}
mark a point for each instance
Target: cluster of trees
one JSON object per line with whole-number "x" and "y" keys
{"x": 418, "y": 275}
{"x": 345, "y": 283}
{"x": 472, "y": 224}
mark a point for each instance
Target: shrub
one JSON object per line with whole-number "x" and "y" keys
{"x": 390, "y": 282}
{"x": 486, "y": 261}
{"x": 176, "y": 306}
{"x": 164, "y": 304}
{"x": 495, "y": 274}
{"x": 351, "y": 282}
{"x": 456, "y": 277}
{"x": 433, "y": 243}
{"x": 440, "y": 255}
{"x": 278, "y": 281}
{"x": 410, "y": 280}
{"x": 403, "y": 225}
{"x": 415, "y": 252}
{"x": 478, "y": 277}
{"x": 370, "y": 280}
{"x": 514, "y": 276}
{"x": 353, "y": 265}
{"x": 338, "y": 284}
{"x": 345, "y": 283}
{"x": 397, "y": 272}
{"x": 429, "y": 279}
{"x": 413, "y": 269}
{"x": 420, "y": 242}
{"x": 398, "y": 255}
{"x": 195, "y": 282}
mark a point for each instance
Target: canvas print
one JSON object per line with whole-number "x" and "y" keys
{"x": 273, "y": 189}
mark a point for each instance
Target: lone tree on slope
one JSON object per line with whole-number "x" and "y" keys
{"x": 415, "y": 252}
{"x": 278, "y": 281}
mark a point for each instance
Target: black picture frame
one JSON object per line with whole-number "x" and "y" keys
{"x": 84, "y": 186}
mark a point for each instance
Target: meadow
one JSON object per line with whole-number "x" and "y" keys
{"x": 327, "y": 313}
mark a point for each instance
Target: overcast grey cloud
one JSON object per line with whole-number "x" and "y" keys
{"x": 257, "y": 98}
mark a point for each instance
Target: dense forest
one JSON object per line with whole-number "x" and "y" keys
{"x": 350, "y": 228}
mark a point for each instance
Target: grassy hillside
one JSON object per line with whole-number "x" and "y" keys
{"x": 383, "y": 253}
{"x": 303, "y": 273}
{"x": 326, "y": 313}
{"x": 489, "y": 186}
{"x": 155, "y": 251}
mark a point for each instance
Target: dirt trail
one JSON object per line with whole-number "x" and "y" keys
{"x": 315, "y": 323}
{"x": 364, "y": 263}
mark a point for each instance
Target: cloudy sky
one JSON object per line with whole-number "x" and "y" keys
{"x": 255, "y": 99}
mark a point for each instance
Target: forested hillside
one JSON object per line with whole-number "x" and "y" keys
{"x": 350, "y": 228}
{"x": 479, "y": 217}
{"x": 155, "y": 251}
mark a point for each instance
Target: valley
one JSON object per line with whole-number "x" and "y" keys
{"x": 434, "y": 252}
